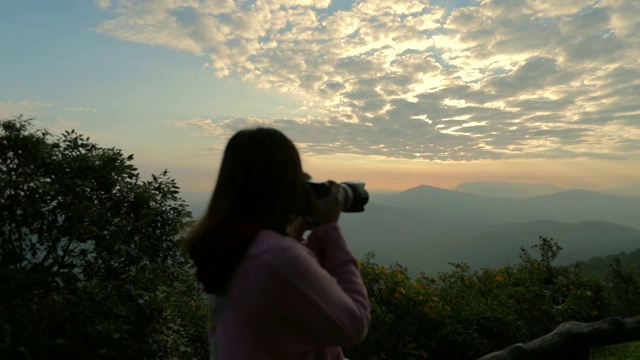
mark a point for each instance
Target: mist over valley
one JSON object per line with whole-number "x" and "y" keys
{"x": 425, "y": 228}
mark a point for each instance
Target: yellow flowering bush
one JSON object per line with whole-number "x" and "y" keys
{"x": 465, "y": 314}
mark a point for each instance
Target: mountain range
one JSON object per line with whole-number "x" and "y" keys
{"x": 508, "y": 190}
{"x": 511, "y": 190}
{"x": 425, "y": 228}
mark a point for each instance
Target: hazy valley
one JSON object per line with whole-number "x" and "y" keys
{"x": 425, "y": 228}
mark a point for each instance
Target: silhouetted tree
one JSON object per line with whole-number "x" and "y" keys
{"x": 89, "y": 262}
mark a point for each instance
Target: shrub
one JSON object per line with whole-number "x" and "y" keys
{"x": 89, "y": 262}
{"x": 464, "y": 314}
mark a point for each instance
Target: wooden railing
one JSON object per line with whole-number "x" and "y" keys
{"x": 572, "y": 340}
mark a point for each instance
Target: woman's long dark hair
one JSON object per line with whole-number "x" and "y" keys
{"x": 260, "y": 186}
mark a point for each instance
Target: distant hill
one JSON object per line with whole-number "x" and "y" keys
{"x": 630, "y": 190}
{"x": 462, "y": 207}
{"x": 567, "y": 206}
{"x": 577, "y": 198}
{"x": 425, "y": 228}
{"x": 500, "y": 244}
{"x": 513, "y": 190}
{"x": 507, "y": 190}
{"x": 599, "y": 265}
{"x": 396, "y": 234}
{"x": 579, "y": 205}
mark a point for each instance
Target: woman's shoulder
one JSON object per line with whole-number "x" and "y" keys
{"x": 269, "y": 241}
{"x": 275, "y": 248}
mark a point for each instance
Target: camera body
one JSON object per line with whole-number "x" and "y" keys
{"x": 354, "y": 195}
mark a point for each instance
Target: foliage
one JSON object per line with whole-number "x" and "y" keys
{"x": 617, "y": 352}
{"x": 89, "y": 262}
{"x": 599, "y": 265}
{"x": 464, "y": 314}
{"x": 623, "y": 290}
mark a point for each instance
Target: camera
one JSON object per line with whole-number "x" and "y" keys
{"x": 354, "y": 195}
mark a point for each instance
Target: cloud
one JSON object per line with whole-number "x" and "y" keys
{"x": 496, "y": 79}
{"x": 11, "y": 109}
{"x": 80, "y": 109}
{"x": 66, "y": 124}
{"x": 103, "y": 4}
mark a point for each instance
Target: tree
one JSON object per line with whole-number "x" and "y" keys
{"x": 89, "y": 260}
{"x": 623, "y": 287}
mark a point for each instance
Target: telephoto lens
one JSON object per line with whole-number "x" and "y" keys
{"x": 354, "y": 195}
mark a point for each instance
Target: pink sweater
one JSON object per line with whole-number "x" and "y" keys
{"x": 291, "y": 301}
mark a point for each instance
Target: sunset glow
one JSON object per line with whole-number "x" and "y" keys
{"x": 393, "y": 94}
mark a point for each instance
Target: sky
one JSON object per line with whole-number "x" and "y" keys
{"x": 392, "y": 93}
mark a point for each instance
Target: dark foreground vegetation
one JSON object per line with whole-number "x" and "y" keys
{"x": 90, "y": 268}
{"x": 463, "y": 314}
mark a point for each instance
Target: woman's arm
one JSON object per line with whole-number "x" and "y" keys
{"x": 310, "y": 304}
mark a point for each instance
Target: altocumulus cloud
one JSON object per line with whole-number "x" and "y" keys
{"x": 408, "y": 79}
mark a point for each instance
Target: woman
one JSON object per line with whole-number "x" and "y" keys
{"x": 275, "y": 295}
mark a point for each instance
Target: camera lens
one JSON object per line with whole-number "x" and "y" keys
{"x": 354, "y": 195}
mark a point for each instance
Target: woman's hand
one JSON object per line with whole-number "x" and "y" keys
{"x": 323, "y": 211}
{"x": 299, "y": 226}
{"x": 327, "y": 210}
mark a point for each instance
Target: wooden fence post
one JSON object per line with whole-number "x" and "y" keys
{"x": 572, "y": 340}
